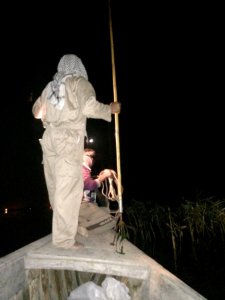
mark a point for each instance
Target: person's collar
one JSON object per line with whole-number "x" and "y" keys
{"x": 86, "y": 166}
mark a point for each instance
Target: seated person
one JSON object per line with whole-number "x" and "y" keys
{"x": 93, "y": 218}
{"x": 91, "y": 184}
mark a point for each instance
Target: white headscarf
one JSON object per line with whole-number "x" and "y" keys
{"x": 72, "y": 64}
{"x": 69, "y": 65}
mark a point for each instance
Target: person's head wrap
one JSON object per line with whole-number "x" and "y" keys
{"x": 69, "y": 65}
{"x": 89, "y": 152}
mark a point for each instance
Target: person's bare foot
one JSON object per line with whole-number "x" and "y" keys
{"x": 82, "y": 231}
{"x": 77, "y": 245}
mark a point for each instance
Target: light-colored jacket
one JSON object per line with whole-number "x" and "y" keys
{"x": 80, "y": 104}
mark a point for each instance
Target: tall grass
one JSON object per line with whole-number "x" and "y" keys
{"x": 188, "y": 239}
{"x": 190, "y": 225}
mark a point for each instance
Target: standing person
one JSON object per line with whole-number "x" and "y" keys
{"x": 64, "y": 106}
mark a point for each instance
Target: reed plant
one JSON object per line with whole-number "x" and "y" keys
{"x": 194, "y": 225}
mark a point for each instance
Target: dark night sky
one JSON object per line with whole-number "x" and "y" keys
{"x": 168, "y": 81}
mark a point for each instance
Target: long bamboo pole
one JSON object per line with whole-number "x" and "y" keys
{"x": 115, "y": 99}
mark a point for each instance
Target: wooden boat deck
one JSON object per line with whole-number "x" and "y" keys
{"x": 97, "y": 255}
{"x": 41, "y": 271}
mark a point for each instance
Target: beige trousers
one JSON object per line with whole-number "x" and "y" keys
{"x": 62, "y": 158}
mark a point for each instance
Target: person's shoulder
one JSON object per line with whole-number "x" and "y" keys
{"x": 75, "y": 80}
{"x": 85, "y": 84}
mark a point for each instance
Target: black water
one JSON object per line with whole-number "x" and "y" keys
{"x": 21, "y": 227}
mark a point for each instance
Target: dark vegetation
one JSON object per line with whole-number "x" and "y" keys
{"x": 187, "y": 239}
